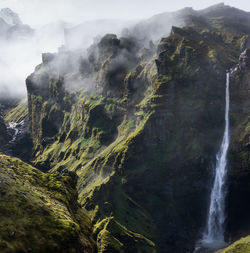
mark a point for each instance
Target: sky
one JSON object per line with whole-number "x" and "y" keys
{"x": 38, "y": 12}
{"x": 18, "y": 59}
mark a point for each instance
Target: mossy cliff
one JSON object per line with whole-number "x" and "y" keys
{"x": 92, "y": 125}
{"x": 239, "y": 175}
{"x": 141, "y": 126}
{"x": 39, "y": 212}
{"x": 17, "y": 113}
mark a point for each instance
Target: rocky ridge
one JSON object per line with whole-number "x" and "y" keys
{"x": 141, "y": 126}
{"x": 11, "y": 26}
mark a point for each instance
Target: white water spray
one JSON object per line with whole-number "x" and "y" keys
{"x": 214, "y": 235}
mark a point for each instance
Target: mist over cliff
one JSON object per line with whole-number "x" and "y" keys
{"x": 133, "y": 134}
{"x": 21, "y": 43}
{"x": 48, "y": 31}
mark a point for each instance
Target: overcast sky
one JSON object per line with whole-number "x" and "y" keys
{"x": 36, "y": 12}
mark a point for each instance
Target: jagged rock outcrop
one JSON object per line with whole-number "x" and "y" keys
{"x": 11, "y": 26}
{"x": 113, "y": 58}
{"x": 141, "y": 128}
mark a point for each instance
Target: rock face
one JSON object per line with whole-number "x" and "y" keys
{"x": 20, "y": 143}
{"x": 141, "y": 127}
{"x": 4, "y": 137}
{"x": 238, "y": 204}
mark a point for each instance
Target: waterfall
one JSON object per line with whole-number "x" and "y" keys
{"x": 216, "y": 218}
{"x": 13, "y": 127}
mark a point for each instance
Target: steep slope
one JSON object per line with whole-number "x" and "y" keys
{"x": 4, "y": 137}
{"x": 141, "y": 127}
{"x": 240, "y": 246}
{"x": 39, "y": 212}
{"x": 68, "y": 135}
{"x": 11, "y": 26}
{"x": 238, "y": 195}
{"x": 222, "y": 18}
{"x": 16, "y": 118}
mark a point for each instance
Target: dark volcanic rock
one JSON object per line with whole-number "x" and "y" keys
{"x": 239, "y": 154}
{"x": 4, "y": 136}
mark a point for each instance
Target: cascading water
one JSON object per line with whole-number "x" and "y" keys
{"x": 13, "y": 126}
{"x": 14, "y": 130}
{"x": 214, "y": 235}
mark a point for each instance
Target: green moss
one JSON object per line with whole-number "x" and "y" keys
{"x": 112, "y": 236}
{"x": 240, "y": 246}
{"x": 17, "y": 114}
{"x": 38, "y": 211}
{"x": 83, "y": 132}
{"x": 107, "y": 243}
{"x": 162, "y": 123}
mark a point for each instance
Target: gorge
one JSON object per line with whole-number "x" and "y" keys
{"x": 114, "y": 148}
{"x": 216, "y": 218}
{"x": 213, "y": 237}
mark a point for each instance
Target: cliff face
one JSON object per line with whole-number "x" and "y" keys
{"x": 4, "y": 137}
{"x": 238, "y": 204}
{"x": 141, "y": 127}
{"x": 87, "y": 124}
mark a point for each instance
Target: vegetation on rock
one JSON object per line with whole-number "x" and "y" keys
{"x": 240, "y": 246}
{"x": 39, "y": 212}
{"x": 140, "y": 127}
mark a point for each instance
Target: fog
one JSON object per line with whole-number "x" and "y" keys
{"x": 20, "y": 51}
{"x": 35, "y": 12}
{"x": 24, "y": 39}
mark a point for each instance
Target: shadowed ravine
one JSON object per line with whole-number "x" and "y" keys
{"x": 213, "y": 237}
